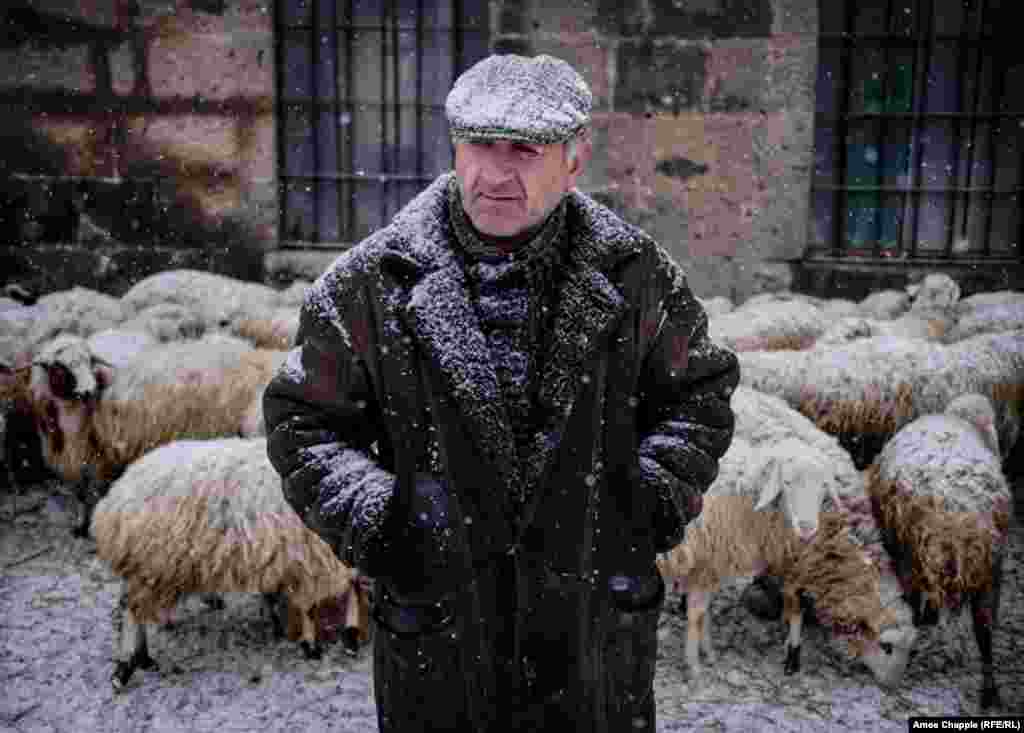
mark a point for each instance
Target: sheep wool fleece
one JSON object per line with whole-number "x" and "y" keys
{"x": 541, "y": 612}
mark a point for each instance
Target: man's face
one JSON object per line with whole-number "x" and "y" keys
{"x": 509, "y": 188}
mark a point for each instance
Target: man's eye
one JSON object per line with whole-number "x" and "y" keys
{"x": 526, "y": 151}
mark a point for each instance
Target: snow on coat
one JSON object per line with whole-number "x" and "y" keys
{"x": 208, "y": 516}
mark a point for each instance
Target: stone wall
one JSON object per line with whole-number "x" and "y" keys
{"x": 704, "y": 121}
{"x": 138, "y": 135}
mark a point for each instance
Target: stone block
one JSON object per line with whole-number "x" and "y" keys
{"x": 587, "y": 53}
{"x": 47, "y": 68}
{"x": 513, "y": 44}
{"x": 735, "y": 75}
{"x": 257, "y": 148}
{"x": 212, "y": 66}
{"x": 126, "y": 66}
{"x": 693, "y": 19}
{"x": 578, "y": 16}
{"x": 653, "y": 77}
{"x": 514, "y": 17}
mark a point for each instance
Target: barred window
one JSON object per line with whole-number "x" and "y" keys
{"x": 919, "y": 135}
{"x": 360, "y": 108}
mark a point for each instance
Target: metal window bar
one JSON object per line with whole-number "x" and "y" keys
{"x": 304, "y": 191}
{"x": 959, "y": 192}
{"x": 922, "y": 59}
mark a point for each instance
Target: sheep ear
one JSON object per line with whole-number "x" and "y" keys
{"x": 771, "y": 486}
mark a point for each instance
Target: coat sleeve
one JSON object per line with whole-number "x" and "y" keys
{"x": 323, "y": 422}
{"x": 685, "y": 418}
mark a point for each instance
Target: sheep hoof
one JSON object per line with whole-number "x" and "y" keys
{"x": 214, "y": 602}
{"x": 312, "y": 651}
{"x": 122, "y": 673}
{"x": 928, "y": 615}
{"x": 792, "y": 665}
{"x": 144, "y": 661}
{"x": 350, "y": 642}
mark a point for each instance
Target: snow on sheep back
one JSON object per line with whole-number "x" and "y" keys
{"x": 209, "y": 517}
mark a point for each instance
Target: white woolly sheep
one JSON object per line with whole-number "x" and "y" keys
{"x": 276, "y": 330}
{"x": 944, "y": 502}
{"x": 767, "y": 323}
{"x": 987, "y": 312}
{"x": 885, "y": 304}
{"x": 717, "y": 305}
{"x": 780, "y": 461}
{"x": 209, "y": 517}
{"x": 730, "y": 538}
{"x": 930, "y": 317}
{"x": 218, "y": 300}
{"x": 865, "y": 390}
{"x": 92, "y": 422}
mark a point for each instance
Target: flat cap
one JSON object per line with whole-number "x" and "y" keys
{"x": 539, "y": 99}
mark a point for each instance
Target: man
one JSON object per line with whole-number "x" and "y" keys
{"x": 501, "y": 406}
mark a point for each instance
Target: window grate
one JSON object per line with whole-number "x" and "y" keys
{"x": 360, "y": 108}
{"x": 919, "y": 147}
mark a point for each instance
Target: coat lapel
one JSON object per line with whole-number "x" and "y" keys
{"x": 440, "y": 314}
{"x": 589, "y": 305}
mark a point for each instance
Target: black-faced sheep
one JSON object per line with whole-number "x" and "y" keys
{"x": 209, "y": 517}
{"x": 939, "y": 492}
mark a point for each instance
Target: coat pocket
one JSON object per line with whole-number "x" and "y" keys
{"x": 418, "y": 668}
{"x": 631, "y": 651}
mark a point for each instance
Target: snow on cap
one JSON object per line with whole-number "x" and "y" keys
{"x": 540, "y": 100}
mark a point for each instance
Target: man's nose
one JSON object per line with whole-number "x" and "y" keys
{"x": 497, "y": 167}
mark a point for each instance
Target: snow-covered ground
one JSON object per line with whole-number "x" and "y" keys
{"x": 221, "y": 670}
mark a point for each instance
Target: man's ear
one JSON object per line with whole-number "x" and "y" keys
{"x": 584, "y": 149}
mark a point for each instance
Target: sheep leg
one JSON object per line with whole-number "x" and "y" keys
{"x": 213, "y": 601}
{"x": 984, "y": 610}
{"x": 272, "y": 603}
{"x": 793, "y": 613}
{"x": 696, "y": 610}
{"x": 357, "y": 619}
{"x": 130, "y": 644}
{"x": 310, "y": 646}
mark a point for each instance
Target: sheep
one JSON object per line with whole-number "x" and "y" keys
{"x": 730, "y": 538}
{"x": 987, "y": 312}
{"x": 939, "y": 492}
{"x": 275, "y": 331}
{"x": 218, "y": 300}
{"x": 767, "y": 323}
{"x": 209, "y": 516}
{"x": 92, "y": 421}
{"x": 863, "y": 391}
{"x": 77, "y": 310}
{"x": 885, "y": 304}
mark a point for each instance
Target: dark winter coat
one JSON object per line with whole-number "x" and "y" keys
{"x": 507, "y": 594}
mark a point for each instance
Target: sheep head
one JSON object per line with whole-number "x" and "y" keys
{"x": 795, "y": 484}
{"x": 888, "y": 656}
{"x": 65, "y": 383}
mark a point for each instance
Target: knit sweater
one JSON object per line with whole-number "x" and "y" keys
{"x": 513, "y": 294}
